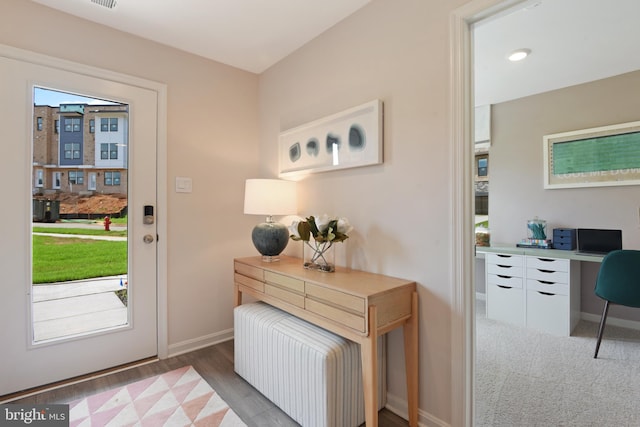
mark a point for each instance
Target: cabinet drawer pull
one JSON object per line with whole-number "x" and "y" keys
{"x": 544, "y": 282}
{"x": 546, "y": 259}
{"x": 505, "y": 287}
{"x": 546, "y": 293}
{"x": 502, "y": 276}
{"x": 504, "y": 256}
{"x": 545, "y": 271}
{"x": 504, "y": 266}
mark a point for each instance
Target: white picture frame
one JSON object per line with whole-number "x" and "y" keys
{"x": 350, "y": 138}
{"x": 595, "y": 157}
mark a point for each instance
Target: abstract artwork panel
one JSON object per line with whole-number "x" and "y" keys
{"x": 351, "y": 138}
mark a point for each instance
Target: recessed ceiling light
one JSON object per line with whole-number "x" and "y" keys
{"x": 519, "y": 55}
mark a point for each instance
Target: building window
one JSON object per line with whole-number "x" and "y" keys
{"x": 92, "y": 181}
{"x": 109, "y": 151}
{"x": 483, "y": 166}
{"x": 112, "y": 178}
{"x": 57, "y": 126}
{"x": 39, "y": 123}
{"x": 71, "y": 150}
{"x": 72, "y": 125}
{"x": 39, "y": 178}
{"x": 76, "y": 177}
{"x": 109, "y": 125}
{"x": 57, "y": 180}
{"x": 92, "y": 125}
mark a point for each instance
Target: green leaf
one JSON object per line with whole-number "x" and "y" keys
{"x": 330, "y": 235}
{"x": 313, "y": 228}
{"x": 340, "y": 237}
{"x": 304, "y": 230}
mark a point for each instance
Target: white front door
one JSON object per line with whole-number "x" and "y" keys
{"x": 27, "y": 362}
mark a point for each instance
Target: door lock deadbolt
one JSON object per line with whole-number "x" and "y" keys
{"x": 148, "y": 217}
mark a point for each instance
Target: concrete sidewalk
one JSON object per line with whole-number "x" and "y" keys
{"x": 84, "y": 236}
{"x": 70, "y": 308}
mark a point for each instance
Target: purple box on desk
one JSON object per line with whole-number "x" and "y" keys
{"x": 564, "y": 238}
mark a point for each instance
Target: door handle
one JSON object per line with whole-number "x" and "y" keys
{"x": 148, "y": 238}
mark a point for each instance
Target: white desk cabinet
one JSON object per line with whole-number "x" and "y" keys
{"x": 505, "y": 288}
{"x": 537, "y": 292}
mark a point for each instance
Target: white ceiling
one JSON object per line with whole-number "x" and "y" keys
{"x": 247, "y": 34}
{"x": 572, "y": 41}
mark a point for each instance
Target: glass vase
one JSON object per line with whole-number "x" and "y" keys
{"x": 319, "y": 256}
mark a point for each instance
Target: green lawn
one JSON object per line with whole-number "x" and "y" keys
{"x": 58, "y": 259}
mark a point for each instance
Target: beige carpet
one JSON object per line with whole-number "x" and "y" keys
{"x": 527, "y": 378}
{"x": 177, "y": 398}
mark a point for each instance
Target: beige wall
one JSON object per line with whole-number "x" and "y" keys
{"x": 212, "y": 131}
{"x": 516, "y": 162}
{"x": 397, "y": 52}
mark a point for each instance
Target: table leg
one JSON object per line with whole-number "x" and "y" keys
{"x": 369, "y": 355}
{"x": 237, "y": 296}
{"x": 410, "y": 332}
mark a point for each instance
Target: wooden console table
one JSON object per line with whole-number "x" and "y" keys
{"x": 354, "y": 304}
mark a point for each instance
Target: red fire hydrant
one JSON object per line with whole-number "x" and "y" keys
{"x": 107, "y": 223}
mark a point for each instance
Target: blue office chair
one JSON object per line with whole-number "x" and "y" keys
{"x": 618, "y": 282}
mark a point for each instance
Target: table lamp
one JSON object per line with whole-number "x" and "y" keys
{"x": 270, "y": 197}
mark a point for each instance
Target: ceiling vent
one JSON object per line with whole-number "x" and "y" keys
{"x": 106, "y": 3}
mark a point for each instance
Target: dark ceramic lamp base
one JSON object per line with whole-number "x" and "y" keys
{"x": 270, "y": 239}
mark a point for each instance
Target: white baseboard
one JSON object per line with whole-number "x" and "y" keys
{"x": 398, "y": 406}
{"x": 613, "y": 321}
{"x": 200, "y": 342}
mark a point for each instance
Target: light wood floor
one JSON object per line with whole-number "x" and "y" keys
{"x": 215, "y": 365}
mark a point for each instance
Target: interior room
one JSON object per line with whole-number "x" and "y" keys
{"x": 580, "y": 96}
{"x": 215, "y": 109}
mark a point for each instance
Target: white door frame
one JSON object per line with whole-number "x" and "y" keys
{"x": 161, "y": 198}
{"x": 461, "y": 181}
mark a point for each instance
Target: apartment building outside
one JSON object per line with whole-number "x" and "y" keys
{"x": 80, "y": 149}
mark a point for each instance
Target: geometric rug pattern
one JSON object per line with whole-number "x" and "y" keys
{"x": 177, "y": 398}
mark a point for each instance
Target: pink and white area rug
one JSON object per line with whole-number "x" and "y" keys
{"x": 177, "y": 398}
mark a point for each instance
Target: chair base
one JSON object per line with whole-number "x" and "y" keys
{"x": 603, "y": 320}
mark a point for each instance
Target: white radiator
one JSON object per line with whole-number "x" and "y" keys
{"x": 313, "y": 375}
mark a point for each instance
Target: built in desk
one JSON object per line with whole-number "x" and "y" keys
{"x": 534, "y": 288}
{"x": 356, "y": 305}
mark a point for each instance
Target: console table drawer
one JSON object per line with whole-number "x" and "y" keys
{"x": 283, "y": 281}
{"x": 348, "y": 319}
{"x": 249, "y": 282}
{"x": 337, "y": 298}
{"x": 249, "y": 271}
{"x": 284, "y": 295}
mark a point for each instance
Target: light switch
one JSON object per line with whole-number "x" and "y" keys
{"x": 183, "y": 184}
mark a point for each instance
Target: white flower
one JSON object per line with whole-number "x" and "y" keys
{"x": 322, "y": 222}
{"x": 293, "y": 229}
{"x": 343, "y": 226}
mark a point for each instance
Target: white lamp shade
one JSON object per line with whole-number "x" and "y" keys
{"x": 270, "y": 197}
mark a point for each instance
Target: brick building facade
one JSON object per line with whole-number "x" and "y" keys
{"x": 80, "y": 149}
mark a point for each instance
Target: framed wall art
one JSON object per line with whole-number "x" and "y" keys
{"x": 351, "y": 138}
{"x": 603, "y": 156}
